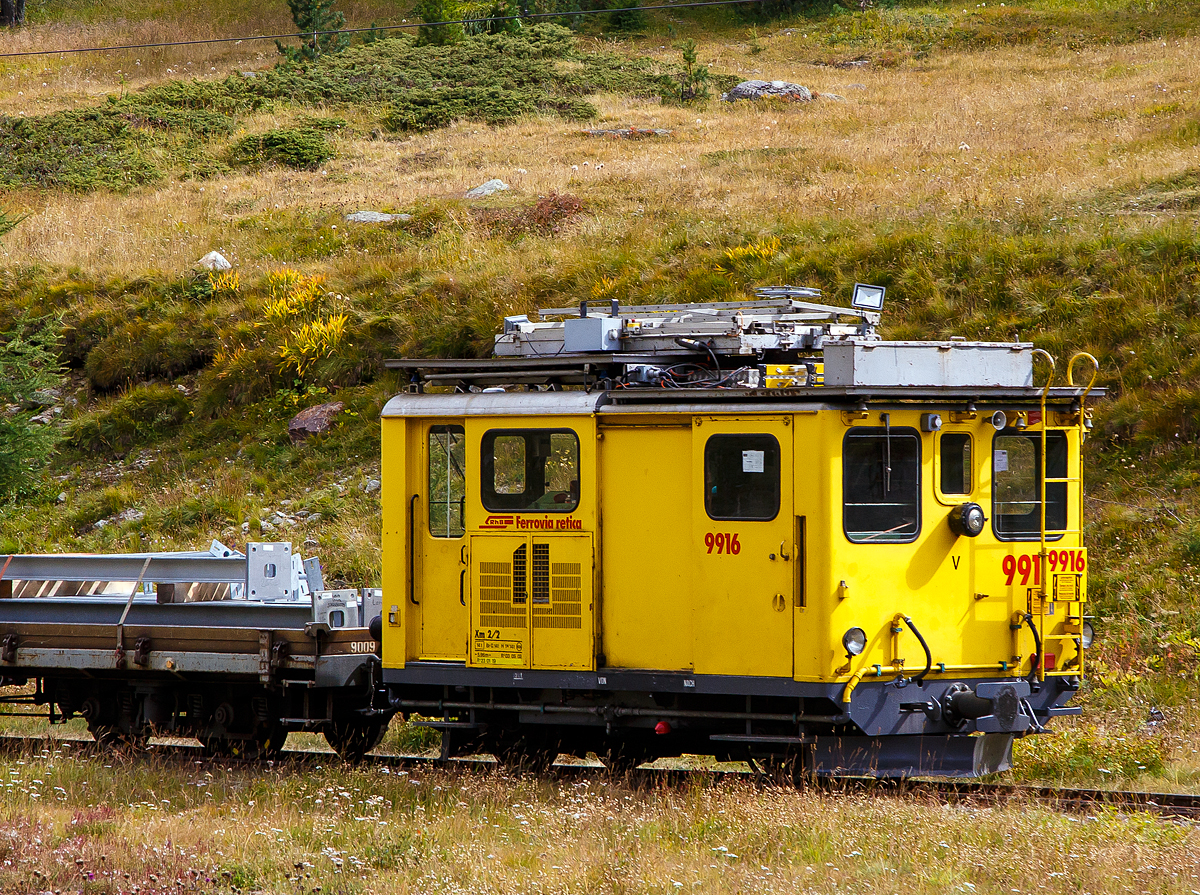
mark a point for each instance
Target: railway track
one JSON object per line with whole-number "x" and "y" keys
{"x": 1166, "y": 804}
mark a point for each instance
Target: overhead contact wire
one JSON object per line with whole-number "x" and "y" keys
{"x": 371, "y": 29}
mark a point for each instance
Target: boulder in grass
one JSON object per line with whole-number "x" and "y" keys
{"x": 313, "y": 421}
{"x": 215, "y": 261}
{"x": 377, "y": 217}
{"x": 759, "y": 89}
{"x": 494, "y": 185}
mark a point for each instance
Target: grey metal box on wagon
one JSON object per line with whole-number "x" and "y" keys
{"x": 855, "y": 362}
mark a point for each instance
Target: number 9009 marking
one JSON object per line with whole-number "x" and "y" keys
{"x": 723, "y": 542}
{"x": 362, "y": 646}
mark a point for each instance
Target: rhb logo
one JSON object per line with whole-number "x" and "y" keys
{"x": 497, "y": 523}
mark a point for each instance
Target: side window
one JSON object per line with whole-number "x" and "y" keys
{"x": 741, "y": 477}
{"x": 881, "y": 485}
{"x": 447, "y": 481}
{"x": 1016, "y": 484}
{"x": 955, "y": 461}
{"x": 529, "y": 470}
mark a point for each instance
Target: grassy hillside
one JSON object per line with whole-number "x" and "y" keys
{"x": 1027, "y": 169}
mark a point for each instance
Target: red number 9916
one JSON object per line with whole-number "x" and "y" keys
{"x": 723, "y": 542}
{"x": 1027, "y": 566}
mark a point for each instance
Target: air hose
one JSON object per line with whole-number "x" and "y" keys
{"x": 920, "y": 678}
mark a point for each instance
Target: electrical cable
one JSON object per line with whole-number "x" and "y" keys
{"x": 373, "y": 28}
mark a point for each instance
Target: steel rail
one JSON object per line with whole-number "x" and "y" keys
{"x": 1167, "y": 804}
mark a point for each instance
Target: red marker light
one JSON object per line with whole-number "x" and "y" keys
{"x": 662, "y": 727}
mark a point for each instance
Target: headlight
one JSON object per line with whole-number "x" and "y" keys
{"x": 1087, "y": 635}
{"x": 855, "y": 641}
{"x": 968, "y": 520}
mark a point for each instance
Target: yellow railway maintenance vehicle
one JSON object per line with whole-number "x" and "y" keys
{"x": 745, "y": 529}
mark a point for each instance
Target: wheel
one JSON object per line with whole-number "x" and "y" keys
{"x": 109, "y": 736}
{"x": 353, "y": 738}
{"x": 216, "y": 746}
{"x": 266, "y": 744}
{"x": 622, "y": 758}
{"x": 524, "y": 750}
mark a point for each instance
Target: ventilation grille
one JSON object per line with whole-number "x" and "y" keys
{"x": 497, "y": 595}
{"x": 518, "y": 580}
{"x": 541, "y": 574}
{"x": 565, "y": 609}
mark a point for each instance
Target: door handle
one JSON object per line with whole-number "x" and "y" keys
{"x": 462, "y": 578}
{"x": 784, "y": 556}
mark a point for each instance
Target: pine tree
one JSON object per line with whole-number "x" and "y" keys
{"x": 318, "y": 19}
{"x": 432, "y": 34}
{"x": 28, "y": 364}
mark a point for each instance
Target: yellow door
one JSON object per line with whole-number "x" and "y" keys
{"x": 742, "y": 534}
{"x": 560, "y": 596}
{"x": 500, "y": 601}
{"x": 441, "y": 550}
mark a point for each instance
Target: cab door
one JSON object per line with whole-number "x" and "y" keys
{"x": 743, "y": 549}
{"x": 438, "y": 526}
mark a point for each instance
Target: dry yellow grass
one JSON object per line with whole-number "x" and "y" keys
{"x": 46, "y": 83}
{"x": 106, "y": 824}
{"x": 991, "y": 133}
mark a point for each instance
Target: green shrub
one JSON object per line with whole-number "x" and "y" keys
{"x": 142, "y": 413}
{"x": 424, "y": 110}
{"x": 75, "y": 150}
{"x": 292, "y": 147}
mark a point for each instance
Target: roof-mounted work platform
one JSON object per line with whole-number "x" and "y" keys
{"x": 779, "y": 341}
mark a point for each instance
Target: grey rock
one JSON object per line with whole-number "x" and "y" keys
{"x": 759, "y": 89}
{"x": 130, "y": 515}
{"x": 377, "y": 217}
{"x": 62, "y": 497}
{"x": 45, "y": 397}
{"x": 833, "y": 96}
{"x": 372, "y": 486}
{"x": 215, "y": 261}
{"x": 313, "y": 421}
{"x": 628, "y": 133}
{"x": 494, "y": 185}
{"x": 856, "y": 86}
{"x": 314, "y": 518}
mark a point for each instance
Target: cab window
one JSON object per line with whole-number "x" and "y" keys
{"x": 447, "y": 481}
{"x": 1016, "y": 484}
{"x": 881, "y": 485}
{"x": 955, "y": 462}
{"x": 530, "y": 470}
{"x": 741, "y": 477}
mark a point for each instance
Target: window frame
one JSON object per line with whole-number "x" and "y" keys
{"x": 908, "y": 433}
{"x": 487, "y": 469}
{"x": 459, "y": 430}
{"x": 1035, "y": 437}
{"x": 954, "y": 498}
{"x": 778, "y": 476}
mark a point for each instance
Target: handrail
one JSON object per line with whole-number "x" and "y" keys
{"x": 1082, "y": 429}
{"x": 1091, "y": 382}
{"x": 412, "y": 550}
{"x": 1042, "y": 555}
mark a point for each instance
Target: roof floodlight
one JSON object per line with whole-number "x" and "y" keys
{"x": 867, "y": 297}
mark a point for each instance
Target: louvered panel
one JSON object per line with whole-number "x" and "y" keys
{"x": 566, "y": 598}
{"x": 496, "y": 609}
